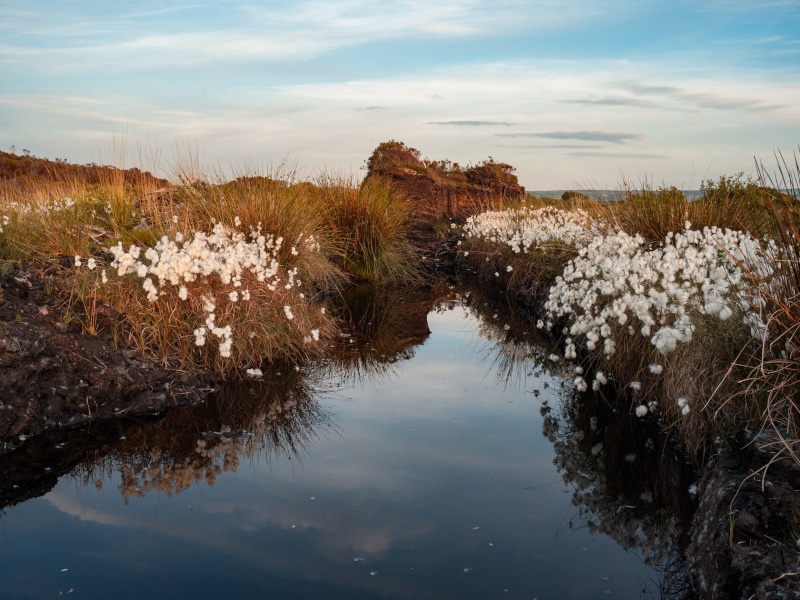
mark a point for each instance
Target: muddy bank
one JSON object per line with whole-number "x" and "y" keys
{"x": 746, "y": 530}
{"x": 54, "y": 376}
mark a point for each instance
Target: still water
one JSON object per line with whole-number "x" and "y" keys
{"x": 412, "y": 466}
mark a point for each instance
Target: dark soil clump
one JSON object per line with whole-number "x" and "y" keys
{"x": 56, "y": 376}
{"x": 747, "y": 526}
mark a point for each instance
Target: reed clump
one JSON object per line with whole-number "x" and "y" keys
{"x": 730, "y": 202}
{"x": 370, "y": 224}
{"x": 771, "y": 364}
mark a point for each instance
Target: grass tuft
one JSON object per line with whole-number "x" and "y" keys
{"x": 370, "y": 224}
{"x": 772, "y": 365}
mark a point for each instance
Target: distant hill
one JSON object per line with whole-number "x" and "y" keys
{"x": 602, "y": 194}
{"x": 26, "y": 170}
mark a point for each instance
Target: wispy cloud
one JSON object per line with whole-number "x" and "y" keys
{"x": 549, "y": 146}
{"x": 472, "y": 123}
{"x": 706, "y": 99}
{"x": 632, "y": 155}
{"x": 374, "y": 539}
{"x": 614, "y": 101}
{"x": 614, "y": 137}
{"x": 373, "y": 108}
{"x": 79, "y": 39}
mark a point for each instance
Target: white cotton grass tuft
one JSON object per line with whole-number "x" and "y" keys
{"x": 214, "y": 273}
{"x": 631, "y": 306}
{"x": 525, "y": 229}
{"x": 656, "y": 369}
{"x": 619, "y": 287}
{"x": 254, "y": 373}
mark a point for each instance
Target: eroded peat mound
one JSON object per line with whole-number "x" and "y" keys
{"x": 55, "y": 375}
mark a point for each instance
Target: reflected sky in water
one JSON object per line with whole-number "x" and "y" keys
{"x": 431, "y": 481}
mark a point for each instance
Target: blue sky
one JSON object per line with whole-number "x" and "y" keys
{"x": 573, "y": 93}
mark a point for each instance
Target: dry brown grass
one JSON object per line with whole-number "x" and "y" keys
{"x": 730, "y": 202}
{"x": 273, "y": 202}
{"x": 772, "y": 366}
{"x": 370, "y": 224}
{"x": 331, "y": 231}
{"x": 47, "y": 219}
{"x": 261, "y": 332}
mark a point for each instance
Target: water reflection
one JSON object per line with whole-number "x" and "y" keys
{"x": 383, "y": 325}
{"x": 434, "y": 480}
{"x": 280, "y": 415}
{"x": 518, "y": 352}
{"x": 629, "y": 480}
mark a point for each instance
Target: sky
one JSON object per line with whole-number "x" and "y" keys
{"x": 573, "y": 93}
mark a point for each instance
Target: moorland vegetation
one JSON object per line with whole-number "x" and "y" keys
{"x": 685, "y": 310}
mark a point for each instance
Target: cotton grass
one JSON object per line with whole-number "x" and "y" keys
{"x": 662, "y": 319}
{"x": 526, "y": 247}
{"x": 220, "y": 300}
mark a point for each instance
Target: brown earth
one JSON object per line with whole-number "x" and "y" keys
{"x": 746, "y": 528}
{"x": 55, "y": 376}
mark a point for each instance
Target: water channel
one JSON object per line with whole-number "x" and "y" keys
{"x": 438, "y": 455}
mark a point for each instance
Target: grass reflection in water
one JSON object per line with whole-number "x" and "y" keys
{"x": 627, "y": 481}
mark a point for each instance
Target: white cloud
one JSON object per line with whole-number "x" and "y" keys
{"x": 298, "y": 30}
{"x": 613, "y": 137}
{"x": 692, "y": 117}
